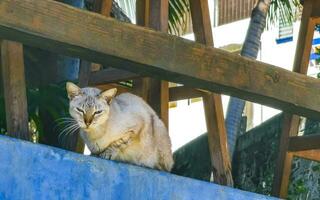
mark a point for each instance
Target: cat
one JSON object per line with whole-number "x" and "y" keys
{"x": 122, "y": 128}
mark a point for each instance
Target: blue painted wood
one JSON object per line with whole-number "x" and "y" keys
{"x": 33, "y": 171}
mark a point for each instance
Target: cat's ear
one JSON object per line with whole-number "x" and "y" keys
{"x": 109, "y": 94}
{"x": 72, "y": 90}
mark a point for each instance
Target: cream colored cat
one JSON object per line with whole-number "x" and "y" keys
{"x": 122, "y": 128}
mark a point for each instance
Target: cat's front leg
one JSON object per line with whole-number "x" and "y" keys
{"x": 107, "y": 154}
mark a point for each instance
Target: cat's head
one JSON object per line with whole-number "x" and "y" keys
{"x": 89, "y": 106}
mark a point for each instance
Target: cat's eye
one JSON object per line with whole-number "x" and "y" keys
{"x": 79, "y": 110}
{"x": 98, "y": 112}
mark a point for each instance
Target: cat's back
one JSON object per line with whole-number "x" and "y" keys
{"x": 128, "y": 102}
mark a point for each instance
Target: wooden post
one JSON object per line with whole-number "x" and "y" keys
{"x": 84, "y": 73}
{"x": 14, "y": 83}
{"x": 282, "y": 171}
{"x": 154, "y": 14}
{"x": 311, "y": 9}
{"x": 217, "y": 138}
{"x": 104, "y": 7}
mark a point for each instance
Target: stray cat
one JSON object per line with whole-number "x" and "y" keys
{"x": 122, "y": 128}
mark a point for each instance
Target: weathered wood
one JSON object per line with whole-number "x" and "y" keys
{"x": 147, "y": 52}
{"x": 154, "y": 14}
{"x": 183, "y": 92}
{"x": 283, "y": 169}
{"x": 201, "y": 22}
{"x": 291, "y": 122}
{"x": 110, "y": 75}
{"x": 313, "y": 154}
{"x": 217, "y": 138}
{"x": 14, "y": 84}
{"x": 303, "y": 143}
{"x": 158, "y": 15}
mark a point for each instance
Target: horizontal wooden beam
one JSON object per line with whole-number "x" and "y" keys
{"x": 301, "y": 143}
{"x": 182, "y": 92}
{"x": 57, "y": 27}
{"x": 110, "y": 75}
{"x": 309, "y": 154}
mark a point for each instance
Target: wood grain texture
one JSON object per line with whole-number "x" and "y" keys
{"x": 14, "y": 83}
{"x": 217, "y": 138}
{"x": 57, "y": 27}
{"x": 313, "y": 154}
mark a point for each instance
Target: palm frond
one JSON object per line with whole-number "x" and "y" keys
{"x": 284, "y": 11}
{"x": 179, "y": 16}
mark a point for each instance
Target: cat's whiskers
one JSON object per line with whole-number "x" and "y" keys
{"x": 68, "y": 129}
{"x": 64, "y": 121}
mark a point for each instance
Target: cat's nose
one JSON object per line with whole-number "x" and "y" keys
{"x": 87, "y": 119}
{"x": 87, "y": 123}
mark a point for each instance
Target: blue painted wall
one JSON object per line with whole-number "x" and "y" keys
{"x": 33, "y": 171}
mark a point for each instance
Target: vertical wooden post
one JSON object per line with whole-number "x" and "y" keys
{"x": 311, "y": 8}
{"x": 217, "y": 138}
{"x": 154, "y": 14}
{"x": 290, "y": 126}
{"x": 84, "y": 73}
{"x": 14, "y": 83}
{"x": 104, "y": 7}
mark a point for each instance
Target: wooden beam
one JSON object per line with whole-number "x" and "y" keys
{"x": 183, "y": 92}
{"x": 159, "y": 55}
{"x": 303, "y": 143}
{"x": 120, "y": 89}
{"x": 313, "y": 154}
{"x": 14, "y": 84}
{"x": 110, "y": 75}
{"x": 217, "y": 136}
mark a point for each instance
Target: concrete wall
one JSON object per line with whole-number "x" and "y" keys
{"x": 33, "y": 171}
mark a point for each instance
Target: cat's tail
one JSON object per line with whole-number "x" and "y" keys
{"x": 165, "y": 157}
